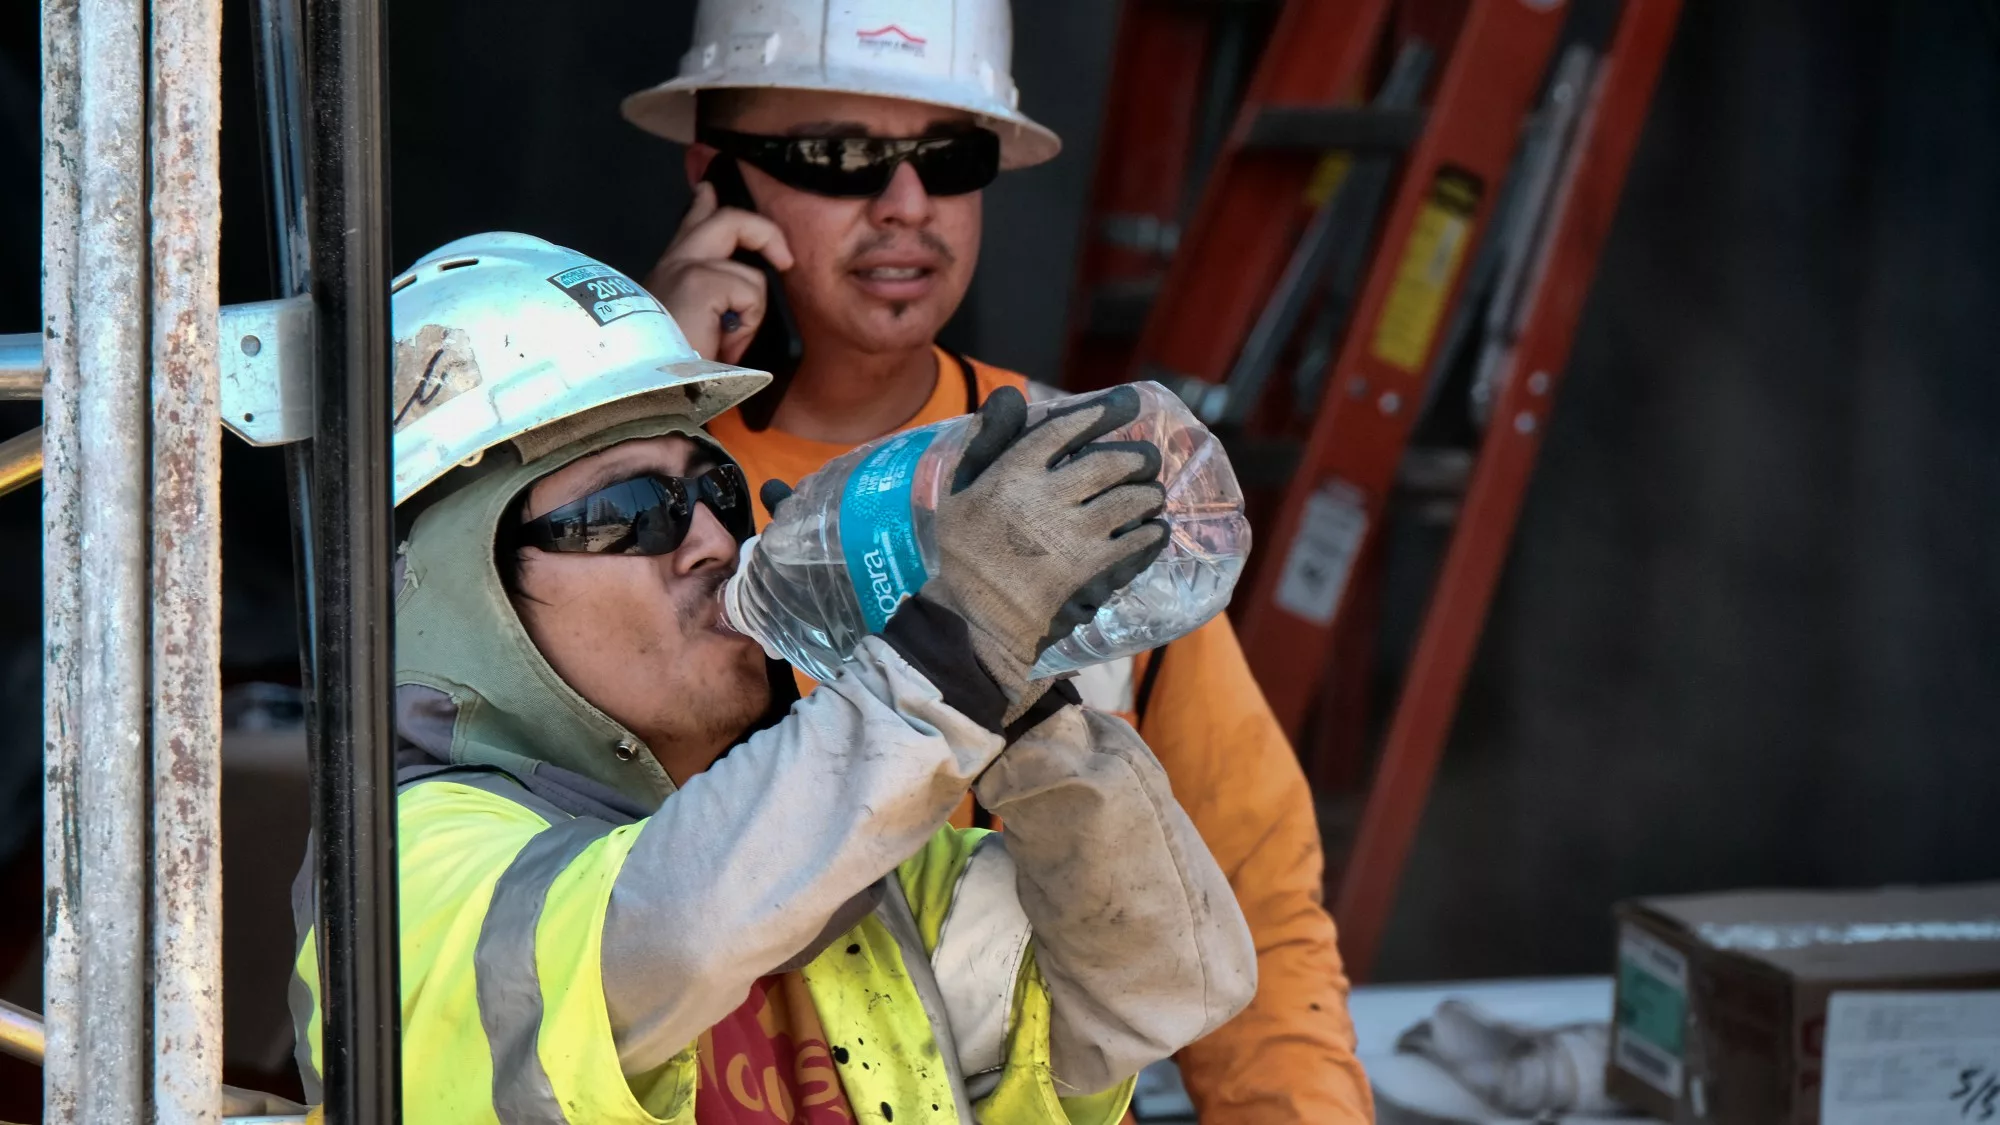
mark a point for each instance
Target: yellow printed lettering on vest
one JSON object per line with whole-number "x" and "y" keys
{"x": 748, "y": 1097}
{"x": 818, "y": 1084}
{"x": 774, "y": 1090}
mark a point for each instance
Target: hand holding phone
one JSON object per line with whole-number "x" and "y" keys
{"x": 775, "y": 345}
{"x": 720, "y": 278}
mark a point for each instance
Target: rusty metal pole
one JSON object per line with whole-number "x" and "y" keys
{"x": 62, "y": 673}
{"x": 95, "y": 600}
{"x": 186, "y": 115}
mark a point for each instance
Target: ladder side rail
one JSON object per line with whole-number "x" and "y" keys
{"x": 1131, "y": 224}
{"x": 1488, "y": 85}
{"x": 1240, "y": 235}
{"x": 1333, "y": 243}
{"x": 1365, "y": 891}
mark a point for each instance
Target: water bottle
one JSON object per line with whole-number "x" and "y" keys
{"x": 859, "y": 536}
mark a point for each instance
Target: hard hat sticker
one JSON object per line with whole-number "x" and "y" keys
{"x": 432, "y": 368}
{"x": 888, "y": 38}
{"x": 605, "y": 293}
{"x": 890, "y": 33}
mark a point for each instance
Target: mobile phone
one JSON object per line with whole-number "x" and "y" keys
{"x": 776, "y": 347}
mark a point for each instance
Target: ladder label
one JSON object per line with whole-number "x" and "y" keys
{"x": 1322, "y": 554}
{"x": 1438, "y": 243}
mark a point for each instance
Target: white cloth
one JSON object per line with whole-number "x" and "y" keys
{"x": 1523, "y": 1071}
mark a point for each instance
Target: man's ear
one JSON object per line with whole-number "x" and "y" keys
{"x": 697, "y": 158}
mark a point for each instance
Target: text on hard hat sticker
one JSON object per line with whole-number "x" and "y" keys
{"x": 892, "y": 35}
{"x": 605, "y": 293}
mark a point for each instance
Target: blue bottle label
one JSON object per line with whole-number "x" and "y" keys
{"x": 877, "y": 532}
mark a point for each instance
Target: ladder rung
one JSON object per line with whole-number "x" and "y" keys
{"x": 1335, "y": 127}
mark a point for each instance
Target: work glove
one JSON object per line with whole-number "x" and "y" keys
{"x": 773, "y": 493}
{"x": 1043, "y": 524}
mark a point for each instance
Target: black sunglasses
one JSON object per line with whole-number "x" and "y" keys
{"x": 646, "y": 515}
{"x": 955, "y": 163}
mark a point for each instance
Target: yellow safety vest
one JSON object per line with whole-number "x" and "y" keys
{"x": 502, "y": 902}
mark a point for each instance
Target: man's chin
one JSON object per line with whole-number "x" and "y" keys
{"x": 888, "y": 326}
{"x": 743, "y": 681}
{"x": 734, "y": 703}
{"x": 747, "y": 710}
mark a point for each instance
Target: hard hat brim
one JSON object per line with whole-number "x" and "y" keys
{"x": 667, "y": 110}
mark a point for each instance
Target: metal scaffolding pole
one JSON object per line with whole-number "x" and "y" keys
{"x": 95, "y": 66}
{"x": 186, "y": 116}
{"x": 62, "y": 519}
{"x": 131, "y": 981}
{"x": 354, "y": 807}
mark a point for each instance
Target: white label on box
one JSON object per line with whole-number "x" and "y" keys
{"x": 1329, "y": 536}
{"x": 1650, "y": 1028}
{"x": 1911, "y": 1058}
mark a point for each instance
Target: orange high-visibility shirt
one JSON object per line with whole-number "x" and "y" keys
{"x": 1290, "y": 1056}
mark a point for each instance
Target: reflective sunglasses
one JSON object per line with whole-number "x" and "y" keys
{"x": 646, "y": 515}
{"x": 955, "y": 163}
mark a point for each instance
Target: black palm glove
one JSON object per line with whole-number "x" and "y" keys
{"x": 773, "y": 493}
{"x": 1042, "y": 525}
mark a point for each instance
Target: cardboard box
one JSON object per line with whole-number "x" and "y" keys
{"x": 1755, "y": 1007}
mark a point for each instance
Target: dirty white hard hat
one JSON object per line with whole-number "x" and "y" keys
{"x": 956, "y": 55}
{"x": 509, "y": 338}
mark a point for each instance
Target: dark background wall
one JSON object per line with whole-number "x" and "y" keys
{"x": 1751, "y": 630}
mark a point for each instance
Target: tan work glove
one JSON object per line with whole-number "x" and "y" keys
{"x": 1042, "y": 525}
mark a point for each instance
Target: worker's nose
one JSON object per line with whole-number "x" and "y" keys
{"x": 708, "y": 545}
{"x": 904, "y": 202}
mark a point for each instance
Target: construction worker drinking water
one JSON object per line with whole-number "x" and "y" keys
{"x": 842, "y": 148}
{"x": 632, "y": 889}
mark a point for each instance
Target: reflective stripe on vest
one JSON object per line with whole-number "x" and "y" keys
{"x": 299, "y": 995}
{"x": 978, "y": 956}
{"x": 901, "y": 923}
{"x": 510, "y": 989}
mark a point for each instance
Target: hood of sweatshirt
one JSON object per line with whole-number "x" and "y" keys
{"x": 472, "y": 689}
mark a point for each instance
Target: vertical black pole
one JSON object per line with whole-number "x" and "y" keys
{"x": 278, "y": 49}
{"x": 355, "y": 803}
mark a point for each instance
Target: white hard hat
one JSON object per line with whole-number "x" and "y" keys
{"x": 506, "y": 337}
{"x": 955, "y": 55}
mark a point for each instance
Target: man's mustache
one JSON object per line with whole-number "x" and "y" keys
{"x": 703, "y": 590}
{"x": 883, "y": 240}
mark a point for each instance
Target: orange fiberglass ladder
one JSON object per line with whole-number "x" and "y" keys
{"x": 1411, "y": 200}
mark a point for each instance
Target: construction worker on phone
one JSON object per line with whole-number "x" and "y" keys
{"x": 838, "y": 152}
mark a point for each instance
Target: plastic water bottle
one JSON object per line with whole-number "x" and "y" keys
{"x": 859, "y": 536}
